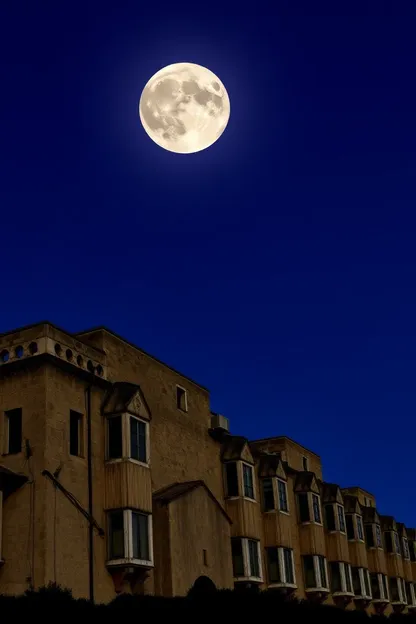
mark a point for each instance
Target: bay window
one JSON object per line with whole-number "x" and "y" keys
{"x": 127, "y": 438}
{"x": 246, "y": 559}
{"x": 379, "y": 587}
{"x": 406, "y": 552}
{"x": 315, "y": 573}
{"x": 280, "y": 566}
{"x": 309, "y": 505}
{"x": 130, "y": 537}
{"x": 341, "y": 582}
{"x": 361, "y": 583}
{"x": 239, "y": 480}
{"x": 274, "y": 490}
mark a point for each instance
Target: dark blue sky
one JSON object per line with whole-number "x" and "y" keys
{"x": 278, "y": 266}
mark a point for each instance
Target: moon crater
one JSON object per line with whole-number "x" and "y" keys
{"x": 184, "y": 108}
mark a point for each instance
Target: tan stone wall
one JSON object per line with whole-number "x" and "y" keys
{"x": 196, "y": 523}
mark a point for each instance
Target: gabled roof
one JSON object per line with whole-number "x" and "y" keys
{"x": 171, "y": 492}
{"x": 331, "y": 493}
{"x": 388, "y": 523}
{"x": 235, "y": 448}
{"x": 370, "y": 515}
{"x": 351, "y": 504}
{"x": 123, "y": 397}
{"x": 271, "y": 465}
{"x": 306, "y": 482}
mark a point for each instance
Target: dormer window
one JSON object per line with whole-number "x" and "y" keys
{"x": 309, "y": 507}
{"x": 354, "y": 527}
{"x": 239, "y": 480}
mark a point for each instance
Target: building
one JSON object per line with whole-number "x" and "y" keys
{"x": 116, "y": 477}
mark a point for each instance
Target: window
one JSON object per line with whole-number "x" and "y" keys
{"x": 115, "y": 440}
{"x": 406, "y": 553}
{"x": 253, "y": 554}
{"x": 181, "y": 399}
{"x": 369, "y": 535}
{"x": 314, "y": 567}
{"x": 75, "y": 433}
{"x": 389, "y": 541}
{"x": 384, "y": 586}
{"x": 360, "y": 531}
{"x": 237, "y": 554}
{"x": 288, "y": 565}
{"x": 268, "y": 494}
{"x": 330, "y": 517}
{"x": 336, "y": 585}
{"x": 366, "y": 576}
{"x": 394, "y": 589}
{"x": 375, "y": 587}
{"x": 138, "y": 440}
{"x": 316, "y": 508}
{"x": 397, "y": 543}
{"x": 356, "y": 582}
{"x": 378, "y": 537}
{"x": 341, "y": 519}
{"x": 361, "y": 582}
{"x": 350, "y": 526}
{"x": 231, "y": 474}
{"x": 248, "y": 481}
{"x": 246, "y": 558}
{"x": 282, "y": 489}
{"x": 273, "y": 567}
{"x": 348, "y": 585}
{"x": 140, "y": 530}
{"x": 303, "y": 508}
{"x": 130, "y": 536}
{"x": 14, "y": 431}
{"x": 305, "y": 463}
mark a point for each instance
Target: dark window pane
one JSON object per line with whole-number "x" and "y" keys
{"x": 394, "y": 589}
{"x": 322, "y": 571}
{"x": 330, "y": 517}
{"x": 341, "y": 519}
{"x": 303, "y": 507}
{"x": 378, "y": 536}
{"x": 406, "y": 553}
{"x": 412, "y": 551}
{"x": 389, "y": 542}
{"x": 369, "y": 537}
{"x": 396, "y": 543}
{"x": 115, "y": 446}
{"x": 253, "y": 558}
{"x": 283, "y": 506}
{"x": 347, "y": 577}
{"x": 287, "y": 558}
{"x": 138, "y": 440}
{"x": 350, "y": 526}
{"x": 305, "y": 463}
{"x": 116, "y": 537}
{"x": 268, "y": 495}
{"x": 140, "y": 529}
{"x": 273, "y": 565}
{"x": 375, "y": 587}
{"x": 248, "y": 481}
{"x": 385, "y": 585}
{"x": 181, "y": 402}
{"x": 75, "y": 420}
{"x": 360, "y": 528}
{"x": 14, "y": 424}
{"x": 335, "y": 577}
{"x": 232, "y": 479}
{"x": 316, "y": 508}
{"x": 237, "y": 554}
{"x": 309, "y": 571}
{"x": 356, "y": 582}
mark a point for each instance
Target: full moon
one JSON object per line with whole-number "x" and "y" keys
{"x": 184, "y": 108}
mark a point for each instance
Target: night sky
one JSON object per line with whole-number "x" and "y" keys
{"x": 277, "y": 268}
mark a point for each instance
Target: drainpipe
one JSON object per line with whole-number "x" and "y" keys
{"x": 90, "y": 499}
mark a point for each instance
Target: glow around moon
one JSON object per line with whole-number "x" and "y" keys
{"x": 184, "y": 108}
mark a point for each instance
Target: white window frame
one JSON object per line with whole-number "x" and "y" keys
{"x": 282, "y": 569}
{"x": 128, "y": 539}
{"x": 317, "y": 571}
{"x": 241, "y": 479}
{"x": 311, "y": 510}
{"x": 382, "y": 587}
{"x": 186, "y": 398}
{"x": 246, "y": 562}
{"x": 125, "y": 440}
{"x": 376, "y": 545}
{"x": 277, "y": 498}
{"x": 361, "y": 573}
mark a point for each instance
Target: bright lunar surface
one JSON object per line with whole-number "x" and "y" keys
{"x": 184, "y": 108}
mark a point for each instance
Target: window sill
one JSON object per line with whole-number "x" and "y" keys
{"x": 247, "y": 498}
{"x": 317, "y": 589}
{"x": 343, "y": 593}
{"x": 120, "y": 460}
{"x": 136, "y": 563}
{"x": 285, "y": 513}
{"x": 362, "y": 597}
{"x": 248, "y": 579}
{"x": 380, "y": 600}
{"x": 282, "y": 586}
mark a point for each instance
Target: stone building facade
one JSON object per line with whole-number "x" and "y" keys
{"x": 115, "y": 476}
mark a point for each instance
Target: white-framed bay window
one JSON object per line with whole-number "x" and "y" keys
{"x": 315, "y": 572}
{"x": 341, "y": 580}
{"x": 309, "y": 508}
{"x": 361, "y": 583}
{"x": 239, "y": 480}
{"x": 130, "y": 537}
{"x": 379, "y": 587}
{"x": 247, "y": 565}
{"x": 274, "y": 494}
{"x": 280, "y": 567}
{"x": 397, "y": 590}
{"x": 410, "y": 595}
{"x": 127, "y": 437}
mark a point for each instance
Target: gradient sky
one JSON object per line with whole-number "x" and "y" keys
{"x": 277, "y": 268}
